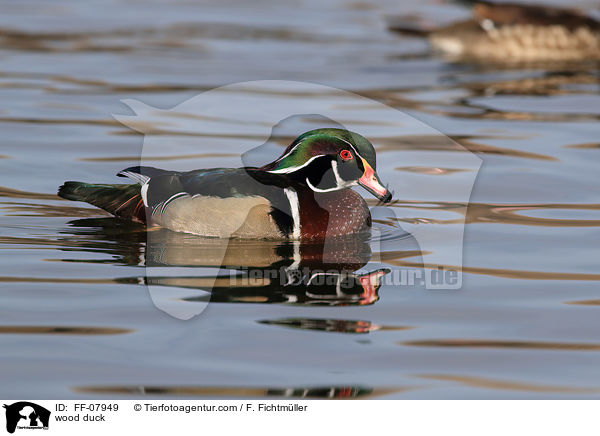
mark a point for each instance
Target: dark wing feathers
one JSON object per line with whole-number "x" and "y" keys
{"x": 224, "y": 183}
{"x": 156, "y": 188}
{"x": 221, "y": 182}
{"x": 216, "y": 182}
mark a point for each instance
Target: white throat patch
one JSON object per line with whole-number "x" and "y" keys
{"x": 339, "y": 182}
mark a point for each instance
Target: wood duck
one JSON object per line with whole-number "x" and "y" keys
{"x": 303, "y": 195}
{"x": 511, "y": 32}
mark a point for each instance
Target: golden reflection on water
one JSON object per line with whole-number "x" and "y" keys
{"x": 15, "y": 193}
{"x": 500, "y": 213}
{"x": 499, "y": 272}
{"x": 488, "y": 383}
{"x": 59, "y": 121}
{"x": 496, "y": 343}
{"x": 50, "y": 211}
{"x": 456, "y": 143}
{"x": 65, "y": 280}
{"x": 508, "y": 214}
{"x": 432, "y": 171}
{"x": 587, "y": 145}
{"x": 156, "y": 158}
{"x": 585, "y": 302}
{"x": 548, "y": 84}
{"x": 493, "y": 114}
{"x": 62, "y": 330}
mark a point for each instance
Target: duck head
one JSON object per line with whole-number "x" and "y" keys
{"x": 329, "y": 160}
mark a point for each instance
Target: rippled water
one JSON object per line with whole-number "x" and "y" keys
{"x": 77, "y": 318}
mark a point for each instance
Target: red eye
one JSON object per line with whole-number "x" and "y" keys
{"x": 345, "y": 154}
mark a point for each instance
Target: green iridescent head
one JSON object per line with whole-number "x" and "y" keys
{"x": 329, "y": 160}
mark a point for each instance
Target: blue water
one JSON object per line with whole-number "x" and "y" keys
{"x": 77, "y": 317}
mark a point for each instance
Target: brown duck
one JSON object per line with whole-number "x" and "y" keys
{"x": 510, "y": 32}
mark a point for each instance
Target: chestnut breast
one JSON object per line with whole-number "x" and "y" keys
{"x": 330, "y": 214}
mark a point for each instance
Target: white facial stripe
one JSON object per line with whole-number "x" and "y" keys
{"x": 291, "y": 151}
{"x": 339, "y": 182}
{"x": 335, "y": 188}
{"x": 352, "y": 147}
{"x": 292, "y": 197}
{"x": 292, "y": 169}
{"x": 298, "y": 144}
{"x": 314, "y": 188}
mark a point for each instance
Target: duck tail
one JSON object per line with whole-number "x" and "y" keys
{"x": 123, "y": 201}
{"x": 407, "y": 27}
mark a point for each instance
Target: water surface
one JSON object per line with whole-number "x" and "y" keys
{"x": 77, "y": 318}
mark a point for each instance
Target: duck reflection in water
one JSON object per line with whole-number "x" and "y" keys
{"x": 317, "y": 392}
{"x": 265, "y": 272}
{"x": 184, "y": 270}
